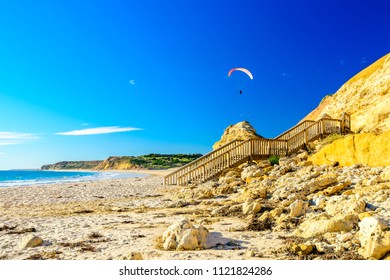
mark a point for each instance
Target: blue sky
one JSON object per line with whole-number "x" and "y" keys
{"x": 84, "y": 80}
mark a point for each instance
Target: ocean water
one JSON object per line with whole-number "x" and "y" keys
{"x": 9, "y": 178}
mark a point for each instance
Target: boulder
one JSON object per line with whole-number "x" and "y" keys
{"x": 251, "y": 171}
{"x": 322, "y": 182}
{"x": 255, "y": 190}
{"x": 323, "y": 223}
{"x": 250, "y": 207}
{"x": 302, "y": 249}
{"x": 332, "y": 190}
{"x": 297, "y": 208}
{"x": 31, "y": 241}
{"x": 386, "y": 174}
{"x": 344, "y": 237}
{"x": 319, "y": 202}
{"x": 374, "y": 238}
{"x": 350, "y": 205}
{"x": 183, "y": 235}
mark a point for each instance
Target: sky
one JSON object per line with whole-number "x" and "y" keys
{"x": 84, "y": 80}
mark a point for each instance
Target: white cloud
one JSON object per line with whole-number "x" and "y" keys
{"x": 98, "y": 130}
{"x": 16, "y": 135}
{"x": 132, "y": 82}
{"x": 4, "y": 143}
{"x": 13, "y": 138}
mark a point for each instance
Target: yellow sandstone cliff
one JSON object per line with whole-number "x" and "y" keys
{"x": 366, "y": 148}
{"x": 366, "y": 97}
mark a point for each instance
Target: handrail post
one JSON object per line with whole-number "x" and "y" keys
{"x": 342, "y": 124}
{"x": 269, "y": 148}
{"x": 305, "y": 136}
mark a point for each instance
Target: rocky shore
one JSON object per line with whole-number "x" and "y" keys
{"x": 292, "y": 210}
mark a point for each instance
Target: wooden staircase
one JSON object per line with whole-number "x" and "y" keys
{"x": 237, "y": 152}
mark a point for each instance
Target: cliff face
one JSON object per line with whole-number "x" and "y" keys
{"x": 367, "y": 148}
{"x": 366, "y": 97}
{"x": 240, "y": 131}
{"x": 150, "y": 161}
{"x": 117, "y": 163}
{"x": 68, "y": 165}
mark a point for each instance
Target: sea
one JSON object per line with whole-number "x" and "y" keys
{"x": 10, "y": 178}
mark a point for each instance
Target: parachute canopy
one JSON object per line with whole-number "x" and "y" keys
{"x": 246, "y": 71}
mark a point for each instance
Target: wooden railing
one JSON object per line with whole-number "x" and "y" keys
{"x": 237, "y": 152}
{"x": 294, "y": 130}
{"x": 216, "y": 165}
{"x": 171, "y": 179}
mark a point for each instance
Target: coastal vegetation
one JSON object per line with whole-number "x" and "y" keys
{"x": 274, "y": 160}
{"x": 149, "y": 161}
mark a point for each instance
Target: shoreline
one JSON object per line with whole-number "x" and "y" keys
{"x": 157, "y": 172}
{"x": 135, "y": 174}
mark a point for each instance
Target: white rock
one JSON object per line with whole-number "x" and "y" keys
{"x": 344, "y": 237}
{"x": 183, "y": 235}
{"x": 251, "y": 171}
{"x": 374, "y": 239}
{"x": 31, "y": 241}
{"x": 386, "y": 174}
{"x": 297, "y": 208}
{"x": 250, "y": 206}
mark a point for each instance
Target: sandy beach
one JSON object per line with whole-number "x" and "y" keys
{"x": 116, "y": 219}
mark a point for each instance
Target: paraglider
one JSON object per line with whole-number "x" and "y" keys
{"x": 246, "y": 71}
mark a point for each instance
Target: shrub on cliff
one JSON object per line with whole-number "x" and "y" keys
{"x": 273, "y": 160}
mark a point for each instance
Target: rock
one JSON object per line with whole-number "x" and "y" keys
{"x": 387, "y": 257}
{"x": 305, "y": 163}
{"x": 303, "y": 156}
{"x": 183, "y": 235}
{"x": 230, "y": 175}
{"x": 385, "y": 176}
{"x": 298, "y": 208}
{"x": 251, "y": 171}
{"x": 286, "y": 161}
{"x": 324, "y": 247}
{"x": 320, "y": 202}
{"x": 332, "y": 190}
{"x": 135, "y": 256}
{"x": 255, "y": 190}
{"x": 227, "y": 210}
{"x": 344, "y": 237}
{"x": 322, "y": 182}
{"x": 302, "y": 249}
{"x": 249, "y": 254}
{"x": 339, "y": 205}
{"x": 324, "y": 223}
{"x": 250, "y": 207}
{"x": 31, "y": 241}
{"x": 374, "y": 238}
{"x": 365, "y": 215}
{"x": 240, "y": 131}
{"x": 276, "y": 212}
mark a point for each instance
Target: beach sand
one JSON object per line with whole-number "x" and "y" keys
{"x": 116, "y": 219}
